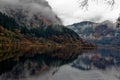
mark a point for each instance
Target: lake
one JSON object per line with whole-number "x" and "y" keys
{"x": 32, "y": 64}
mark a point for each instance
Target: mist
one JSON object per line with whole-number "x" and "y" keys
{"x": 97, "y": 11}
{"x": 29, "y": 8}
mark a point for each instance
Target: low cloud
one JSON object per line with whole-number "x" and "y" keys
{"x": 30, "y": 8}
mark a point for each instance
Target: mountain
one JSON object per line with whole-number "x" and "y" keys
{"x": 56, "y": 33}
{"x": 33, "y": 21}
{"x": 79, "y": 27}
{"x": 34, "y": 18}
{"x": 104, "y": 33}
{"x": 30, "y": 13}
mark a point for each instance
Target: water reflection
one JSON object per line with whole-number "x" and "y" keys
{"x": 38, "y": 63}
{"x": 21, "y": 62}
{"x": 100, "y": 58}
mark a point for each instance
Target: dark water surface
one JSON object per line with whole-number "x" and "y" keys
{"x": 38, "y": 64}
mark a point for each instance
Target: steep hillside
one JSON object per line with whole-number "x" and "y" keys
{"x": 8, "y": 36}
{"x": 104, "y": 33}
{"x": 35, "y": 19}
{"x": 52, "y": 33}
{"x": 30, "y": 13}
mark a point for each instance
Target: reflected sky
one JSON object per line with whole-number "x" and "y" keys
{"x": 98, "y": 64}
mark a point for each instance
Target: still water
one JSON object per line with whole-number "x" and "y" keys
{"x": 97, "y": 64}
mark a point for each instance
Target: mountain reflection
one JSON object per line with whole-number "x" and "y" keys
{"x": 23, "y": 62}
{"x": 20, "y": 62}
{"x": 101, "y": 59}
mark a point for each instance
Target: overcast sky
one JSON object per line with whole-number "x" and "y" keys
{"x": 70, "y": 12}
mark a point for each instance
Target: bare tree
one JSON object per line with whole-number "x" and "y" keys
{"x": 85, "y": 3}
